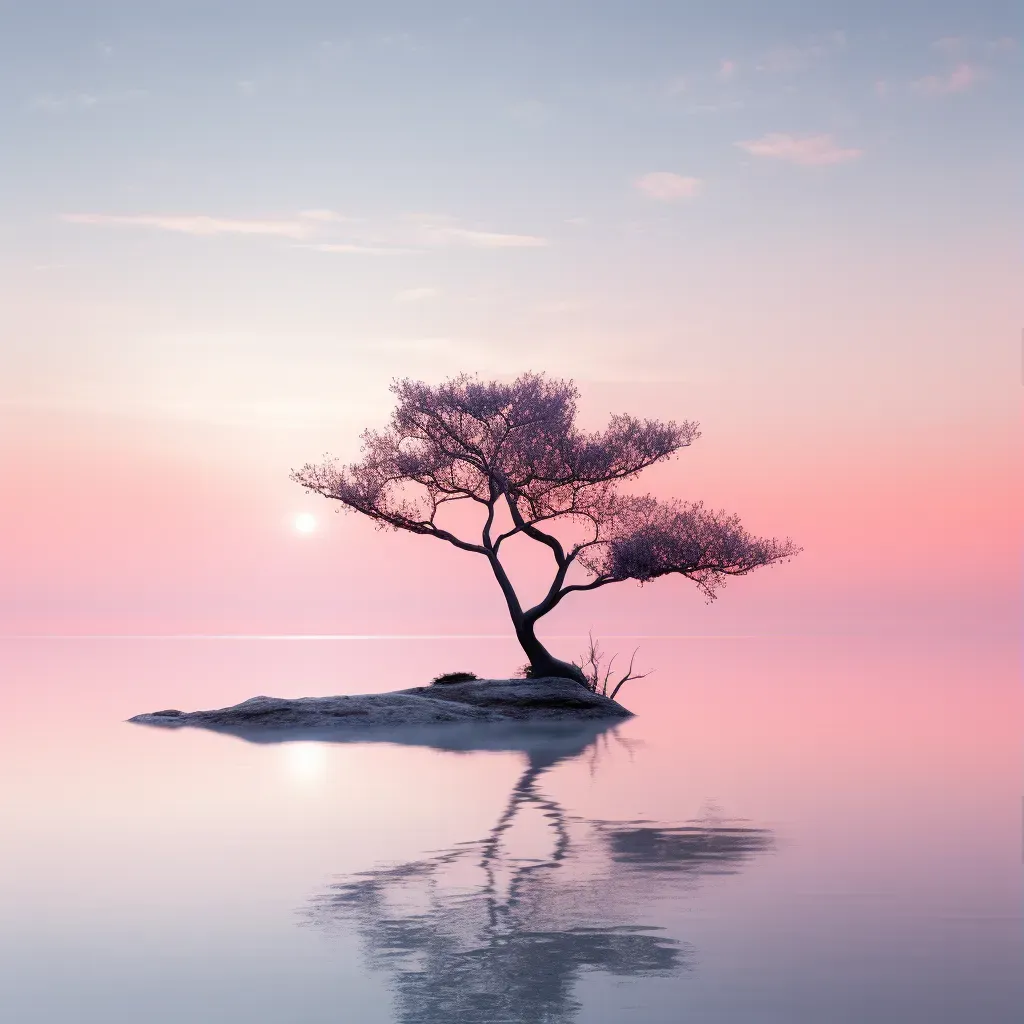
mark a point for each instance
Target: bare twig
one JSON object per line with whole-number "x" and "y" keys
{"x": 598, "y": 673}
{"x": 629, "y": 675}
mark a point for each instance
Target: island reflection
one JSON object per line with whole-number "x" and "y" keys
{"x": 481, "y": 933}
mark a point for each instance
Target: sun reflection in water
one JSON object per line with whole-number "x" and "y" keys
{"x": 305, "y": 762}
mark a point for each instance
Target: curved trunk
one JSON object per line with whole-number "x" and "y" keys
{"x": 542, "y": 661}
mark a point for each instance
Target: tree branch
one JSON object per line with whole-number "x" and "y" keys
{"x": 522, "y": 526}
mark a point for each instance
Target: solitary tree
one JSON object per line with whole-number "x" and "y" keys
{"x": 514, "y": 450}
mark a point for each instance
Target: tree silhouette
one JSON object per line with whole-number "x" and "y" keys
{"x": 514, "y": 451}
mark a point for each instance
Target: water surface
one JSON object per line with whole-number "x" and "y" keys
{"x": 791, "y": 829}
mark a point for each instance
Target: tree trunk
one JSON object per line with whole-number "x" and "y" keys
{"x": 542, "y": 661}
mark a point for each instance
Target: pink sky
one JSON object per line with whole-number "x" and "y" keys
{"x": 125, "y": 526}
{"x": 799, "y": 235}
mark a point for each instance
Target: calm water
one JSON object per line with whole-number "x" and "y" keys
{"x": 792, "y": 829}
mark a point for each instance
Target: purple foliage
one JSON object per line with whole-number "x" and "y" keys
{"x": 516, "y": 446}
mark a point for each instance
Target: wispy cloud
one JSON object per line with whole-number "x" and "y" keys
{"x": 727, "y": 69}
{"x": 806, "y": 150}
{"x": 55, "y": 103}
{"x": 1004, "y": 44}
{"x": 320, "y": 230}
{"x": 971, "y": 55}
{"x": 415, "y": 294}
{"x": 68, "y": 101}
{"x": 491, "y": 239}
{"x": 433, "y": 230}
{"x": 356, "y": 249}
{"x": 668, "y": 187}
{"x": 194, "y": 225}
{"x": 327, "y": 217}
{"x": 962, "y": 78}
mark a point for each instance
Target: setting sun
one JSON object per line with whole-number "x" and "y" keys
{"x": 305, "y": 522}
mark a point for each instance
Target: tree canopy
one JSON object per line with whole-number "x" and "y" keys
{"x": 514, "y": 450}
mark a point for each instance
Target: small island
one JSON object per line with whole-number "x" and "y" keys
{"x": 551, "y": 699}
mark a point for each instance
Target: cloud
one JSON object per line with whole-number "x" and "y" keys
{"x": 948, "y": 44}
{"x": 246, "y": 87}
{"x": 327, "y": 217}
{"x": 404, "y": 235}
{"x": 415, "y": 294}
{"x": 70, "y": 101}
{"x": 365, "y": 250}
{"x": 58, "y": 103}
{"x": 1004, "y": 44}
{"x": 440, "y": 231}
{"x": 881, "y": 88}
{"x": 668, "y": 187}
{"x": 727, "y": 69}
{"x": 806, "y": 150}
{"x": 194, "y": 225}
{"x": 492, "y": 239}
{"x": 963, "y": 77}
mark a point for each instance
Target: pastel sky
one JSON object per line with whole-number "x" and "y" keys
{"x": 224, "y": 228}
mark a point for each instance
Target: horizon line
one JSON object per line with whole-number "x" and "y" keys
{"x": 386, "y": 636}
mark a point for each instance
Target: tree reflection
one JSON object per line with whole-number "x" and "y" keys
{"x": 479, "y": 933}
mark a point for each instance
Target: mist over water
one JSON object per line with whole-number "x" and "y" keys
{"x": 791, "y": 829}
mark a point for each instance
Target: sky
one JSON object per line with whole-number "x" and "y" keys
{"x": 225, "y": 228}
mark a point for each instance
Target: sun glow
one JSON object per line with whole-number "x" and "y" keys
{"x": 305, "y": 522}
{"x": 305, "y": 762}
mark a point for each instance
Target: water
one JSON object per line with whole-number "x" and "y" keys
{"x": 792, "y": 829}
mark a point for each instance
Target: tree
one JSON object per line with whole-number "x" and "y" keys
{"x": 514, "y": 451}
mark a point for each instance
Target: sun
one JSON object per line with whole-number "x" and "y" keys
{"x": 305, "y": 522}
